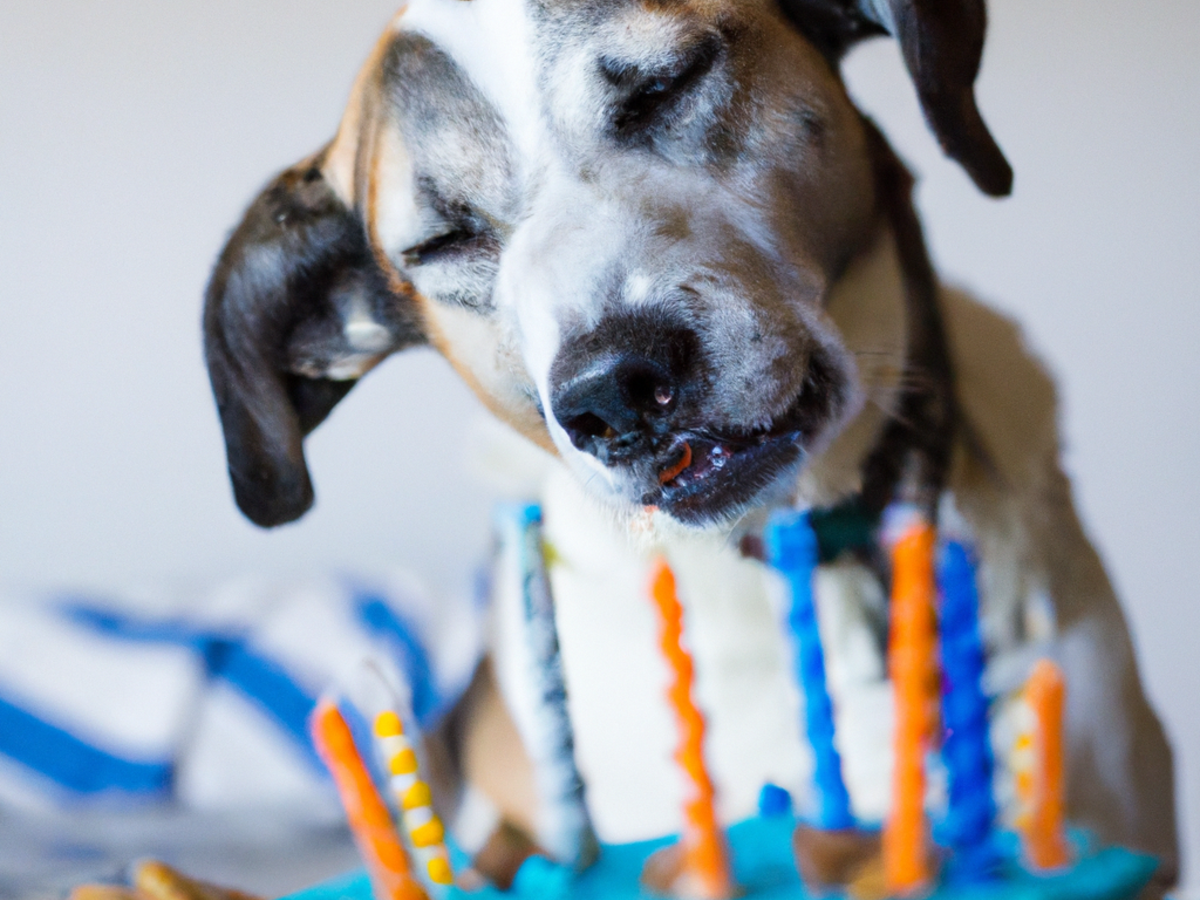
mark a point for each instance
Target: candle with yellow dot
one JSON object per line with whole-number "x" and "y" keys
{"x": 425, "y": 831}
{"x": 368, "y": 815}
{"x": 1041, "y": 783}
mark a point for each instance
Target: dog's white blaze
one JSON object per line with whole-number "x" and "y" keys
{"x": 638, "y": 287}
{"x": 551, "y": 261}
{"x": 525, "y": 299}
{"x": 491, "y": 40}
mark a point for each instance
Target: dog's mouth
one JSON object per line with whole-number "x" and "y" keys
{"x": 706, "y": 475}
{"x": 712, "y": 477}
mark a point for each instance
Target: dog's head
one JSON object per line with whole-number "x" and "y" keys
{"x": 620, "y": 220}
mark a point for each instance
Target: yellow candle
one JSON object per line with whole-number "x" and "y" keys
{"x": 369, "y": 818}
{"x": 415, "y": 799}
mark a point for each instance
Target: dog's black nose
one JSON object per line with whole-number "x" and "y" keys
{"x": 615, "y": 399}
{"x": 616, "y": 389}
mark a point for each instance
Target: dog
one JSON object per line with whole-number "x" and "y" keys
{"x": 658, "y": 240}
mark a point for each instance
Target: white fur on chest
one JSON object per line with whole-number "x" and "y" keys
{"x": 617, "y": 679}
{"x": 625, "y": 731}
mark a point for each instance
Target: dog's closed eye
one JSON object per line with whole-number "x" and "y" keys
{"x": 651, "y": 94}
{"x": 464, "y": 232}
{"x": 457, "y": 263}
{"x": 445, "y": 246}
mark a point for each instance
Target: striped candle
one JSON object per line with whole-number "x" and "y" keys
{"x": 370, "y": 820}
{"x": 538, "y": 692}
{"x": 426, "y": 835}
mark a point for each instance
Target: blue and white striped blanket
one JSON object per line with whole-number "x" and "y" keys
{"x": 204, "y": 703}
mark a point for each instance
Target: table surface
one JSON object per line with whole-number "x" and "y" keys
{"x": 269, "y": 853}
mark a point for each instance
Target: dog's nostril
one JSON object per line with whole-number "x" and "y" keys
{"x": 589, "y": 425}
{"x": 610, "y": 410}
{"x": 646, "y": 387}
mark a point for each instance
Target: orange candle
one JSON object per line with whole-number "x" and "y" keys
{"x": 1042, "y": 829}
{"x": 912, "y": 658}
{"x": 369, "y": 818}
{"x": 705, "y": 871}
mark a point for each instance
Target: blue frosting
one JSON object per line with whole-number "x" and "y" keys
{"x": 764, "y": 868}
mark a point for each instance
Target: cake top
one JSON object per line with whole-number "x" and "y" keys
{"x": 763, "y": 870}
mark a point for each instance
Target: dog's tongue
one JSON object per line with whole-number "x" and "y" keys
{"x": 683, "y": 459}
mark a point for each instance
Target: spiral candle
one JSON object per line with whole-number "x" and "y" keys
{"x": 912, "y": 662}
{"x": 966, "y": 750}
{"x": 791, "y": 547}
{"x": 706, "y": 872}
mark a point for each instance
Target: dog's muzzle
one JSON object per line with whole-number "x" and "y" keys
{"x": 638, "y": 394}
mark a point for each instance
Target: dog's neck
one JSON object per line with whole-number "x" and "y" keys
{"x": 868, "y": 307}
{"x": 885, "y": 308}
{"x": 911, "y": 460}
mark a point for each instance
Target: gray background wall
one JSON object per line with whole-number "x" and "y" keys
{"x": 133, "y": 131}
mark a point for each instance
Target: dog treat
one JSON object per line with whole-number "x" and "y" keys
{"x": 912, "y": 657}
{"x": 540, "y": 698}
{"x": 426, "y": 834}
{"x": 369, "y": 818}
{"x": 703, "y": 868}
{"x": 966, "y": 752}
{"x": 791, "y": 547}
{"x": 1042, "y": 829}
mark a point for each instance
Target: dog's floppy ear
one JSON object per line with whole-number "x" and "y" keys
{"x": 297, "y": 310}
{"x": 942, "y": 43}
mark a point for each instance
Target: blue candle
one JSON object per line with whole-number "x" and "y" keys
{"x": 966, "y": 749}
{"x": 791, "y": 546}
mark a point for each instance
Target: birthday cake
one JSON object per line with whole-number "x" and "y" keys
{"x": 950, "y": 829}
